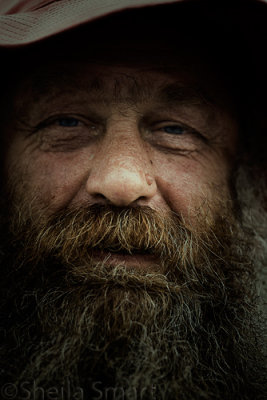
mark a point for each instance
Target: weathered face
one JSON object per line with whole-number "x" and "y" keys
{"x": 87, "y": 131}
{"x": 122, "y": 155}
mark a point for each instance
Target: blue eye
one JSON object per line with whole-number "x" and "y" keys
{"x": 174, "y": 130}
{"x": 68, "y": 122}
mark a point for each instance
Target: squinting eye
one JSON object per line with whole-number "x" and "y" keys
{"x": 173, "y": 130}
{"x": 68, "y": 122}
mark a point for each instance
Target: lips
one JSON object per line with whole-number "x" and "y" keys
{"x": 137, "y": 259}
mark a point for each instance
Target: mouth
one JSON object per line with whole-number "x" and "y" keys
{"x": 137, "y": 259}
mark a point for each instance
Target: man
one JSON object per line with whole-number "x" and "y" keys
{"x": 133, "y": 218}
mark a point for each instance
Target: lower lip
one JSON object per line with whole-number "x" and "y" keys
{"x": 138, "y": 261}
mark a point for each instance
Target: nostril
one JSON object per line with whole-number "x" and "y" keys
{"x": 99, "y": 196}
{"x": 141, "y": 198}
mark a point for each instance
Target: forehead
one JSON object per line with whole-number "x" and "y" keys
{"x": 105, "y": 87}
{"x": 126, "y": 67}
{"x": 130, "y": 56}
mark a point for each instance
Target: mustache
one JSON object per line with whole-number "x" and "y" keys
{"x": 60, "y": 247}
{"x": 77, "y": 232}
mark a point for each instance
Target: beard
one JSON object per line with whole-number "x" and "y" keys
{"x": 187, "y": 327}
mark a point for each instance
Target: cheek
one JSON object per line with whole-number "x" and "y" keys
{"x": 190, "y": 184}
{"x": 51, "y": 179}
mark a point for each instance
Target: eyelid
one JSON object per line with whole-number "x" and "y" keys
{"x": 189, "y": 131}
{"x": 165, "y": 123}
{"x": 54, "y": 118}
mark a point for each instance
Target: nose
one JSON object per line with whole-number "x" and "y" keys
{"x": 121, "y": 173}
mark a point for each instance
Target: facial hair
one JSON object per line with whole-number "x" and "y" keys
{"x": 186, "y": 329}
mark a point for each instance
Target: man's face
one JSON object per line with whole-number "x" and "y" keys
{"x": 86, "y": 131}
{"x": 121, "y": 155}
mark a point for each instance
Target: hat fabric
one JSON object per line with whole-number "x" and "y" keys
{"x": 27, "y": 21}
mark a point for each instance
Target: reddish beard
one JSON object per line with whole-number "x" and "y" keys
{"x": 184, "y": 327}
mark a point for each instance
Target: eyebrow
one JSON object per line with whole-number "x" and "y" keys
{"x": 170, "y": 94}
{"x": 175, "y": 93}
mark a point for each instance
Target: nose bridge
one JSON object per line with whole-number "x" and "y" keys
{"x": 122, "y": 172}
{"x": 123, "y": 150}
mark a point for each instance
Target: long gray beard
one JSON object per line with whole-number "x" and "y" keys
{"x": 124, "y": 335}
{"x": 140, "y": 336}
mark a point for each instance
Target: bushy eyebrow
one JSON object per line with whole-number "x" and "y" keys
{"x": 127, "y": 88}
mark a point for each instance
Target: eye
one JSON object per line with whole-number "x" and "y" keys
{"x": 68, "y": 122}
{"x": 174, "y": 135}
{"x": 173, "y": 129}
